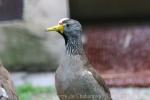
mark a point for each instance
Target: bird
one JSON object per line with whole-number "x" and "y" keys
{"x": 7, "y": 89}
{"x": 75, "y": 78}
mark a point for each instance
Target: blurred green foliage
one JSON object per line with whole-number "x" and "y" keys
{"x": 24, "y": 51}
{"x": 29, "y": 92}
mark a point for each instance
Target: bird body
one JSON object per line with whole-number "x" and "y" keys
{"x": 7, "y": 89}
{"x": 75, "y": 77}
{"x": 77, "y": 83}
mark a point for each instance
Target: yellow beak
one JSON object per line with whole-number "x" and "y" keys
{"x": 58, "y": 28}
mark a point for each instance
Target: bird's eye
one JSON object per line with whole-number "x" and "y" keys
{"x": 67, "y": 25}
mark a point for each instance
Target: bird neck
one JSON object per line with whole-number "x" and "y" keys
{"x": 74, "y": 46}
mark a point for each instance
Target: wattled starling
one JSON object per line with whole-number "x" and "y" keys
{"x": 7, "y": 89}
{"x": 75, "y": 77}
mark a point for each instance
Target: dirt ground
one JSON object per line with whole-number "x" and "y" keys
{"x": 42, "y": 80}
{"x": 117, "y": 94}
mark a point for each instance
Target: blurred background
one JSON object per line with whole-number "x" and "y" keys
{"x": 116, "y": 40}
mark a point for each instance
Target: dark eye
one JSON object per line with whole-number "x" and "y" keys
{"x": 67, "y": 25}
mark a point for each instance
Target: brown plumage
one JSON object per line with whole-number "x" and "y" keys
{"x": 75, "y": 77}
{"x": 7, "y": 89}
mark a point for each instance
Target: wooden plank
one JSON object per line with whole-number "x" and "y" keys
{"x": 97, "y": 9}
{"x": 121, "y": 52}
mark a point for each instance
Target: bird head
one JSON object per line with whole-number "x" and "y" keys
{"x": 68, "y": 28}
